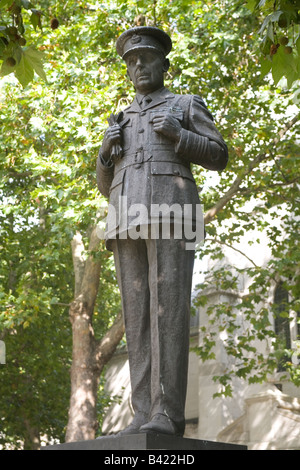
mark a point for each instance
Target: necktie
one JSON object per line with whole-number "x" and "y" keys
{"x": 145, "y": 101}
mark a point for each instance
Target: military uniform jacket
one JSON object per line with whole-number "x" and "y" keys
{"x": 154, "y": 170}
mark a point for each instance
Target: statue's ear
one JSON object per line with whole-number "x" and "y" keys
{"x": 166, "y": 65}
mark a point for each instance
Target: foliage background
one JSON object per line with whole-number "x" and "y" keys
{"x": 52, "y": 122}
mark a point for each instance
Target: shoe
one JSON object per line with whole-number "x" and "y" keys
{"x": 161, "y": 424}
{"x": 131, "y": 429}
{"x": 134, "y": 426}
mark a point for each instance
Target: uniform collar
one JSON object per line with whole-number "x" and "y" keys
{"x": 157, "y": 96}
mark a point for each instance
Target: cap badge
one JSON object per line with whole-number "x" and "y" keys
{"x": 136, "y": 39}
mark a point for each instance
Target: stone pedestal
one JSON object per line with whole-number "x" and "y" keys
{"x": 145, "y": 442}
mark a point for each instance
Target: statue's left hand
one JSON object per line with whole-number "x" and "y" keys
{"x": 167, "y": 125}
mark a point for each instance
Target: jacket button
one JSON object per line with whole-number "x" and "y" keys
{"x": 143, "y": 113}
{"x": 137, "y": 166}
{"x": 140, "y": 131}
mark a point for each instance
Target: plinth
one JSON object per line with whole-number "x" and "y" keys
{"x": 145, "y": 441}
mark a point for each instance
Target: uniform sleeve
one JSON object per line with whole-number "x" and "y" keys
{"x": 202, "y": 143}
{"x": 105, "y": 175}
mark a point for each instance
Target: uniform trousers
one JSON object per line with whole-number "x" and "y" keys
{"x": 155, "y": 280}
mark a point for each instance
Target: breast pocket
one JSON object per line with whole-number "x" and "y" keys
{"x": 155, "y": 137}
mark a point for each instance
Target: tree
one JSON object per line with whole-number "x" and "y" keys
{"x": 48, "y": 196}
{"x": 279, "y": 38}
{"x": 50, "y": 137}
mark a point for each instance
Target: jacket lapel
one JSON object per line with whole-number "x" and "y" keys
{"x": 134, "y": 107}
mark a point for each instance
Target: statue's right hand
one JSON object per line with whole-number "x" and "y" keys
{"x": 112, "y": 136}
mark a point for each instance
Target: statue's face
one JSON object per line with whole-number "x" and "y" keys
{"x": 146, "y": 70}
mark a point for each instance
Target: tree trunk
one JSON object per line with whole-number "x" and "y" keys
{"x": 82, "y": 413}
{"x": 31, "y": 436}
{"x": 89, "y": 356}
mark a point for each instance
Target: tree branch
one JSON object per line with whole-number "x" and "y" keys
{"x": 107, "y": 346}
{"x": 235, "y": 249}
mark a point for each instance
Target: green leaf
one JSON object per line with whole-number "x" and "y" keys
{"x": 29, "y": 60}
{"x": 265, "y": 24}
{"x": 34, "y": 58}
{"x": 24, "y": 71}
{"x": 278, "y": 67}
{"x": 35, "y": 19}
{"x": 270, "y": 31}
{"x": 275, "y": 16}
{"x": 266, "y": 66}
{"x": 284, "y": 65}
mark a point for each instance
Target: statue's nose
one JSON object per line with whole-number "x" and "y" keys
{"x": 139, "y": 62}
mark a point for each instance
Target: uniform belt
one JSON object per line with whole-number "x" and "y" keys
{"x": 140, "y": 156}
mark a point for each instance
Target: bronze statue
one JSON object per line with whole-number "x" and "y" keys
{"x": 144, "y": 163}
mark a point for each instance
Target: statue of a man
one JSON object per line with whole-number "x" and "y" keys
{"x": 144, "y": 163}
